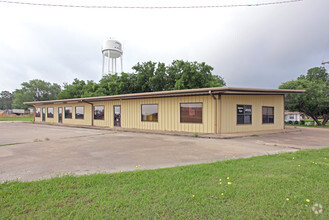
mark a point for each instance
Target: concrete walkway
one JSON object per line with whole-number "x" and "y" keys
{"x": 33, "y": 151}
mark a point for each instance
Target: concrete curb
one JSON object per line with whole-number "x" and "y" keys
{"x": 186, "y": 134}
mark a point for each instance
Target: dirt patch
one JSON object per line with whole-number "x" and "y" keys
{"x": 3, "y": 115}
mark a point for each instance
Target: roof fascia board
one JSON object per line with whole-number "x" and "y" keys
{"x": 174, "y": 93}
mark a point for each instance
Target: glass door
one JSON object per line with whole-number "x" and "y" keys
{"x": 43, "y": 114}
{"x": 117, "y": 115}
{"x": 60, "y": 114}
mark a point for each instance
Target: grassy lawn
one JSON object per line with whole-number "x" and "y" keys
{"x": 18, "y": 118}
{"x": 308, "y": 126}
{"x": 283, "y": 186}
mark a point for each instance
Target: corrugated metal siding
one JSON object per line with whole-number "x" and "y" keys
{"x": 106, "y": 121}
{"x": 85, "y": 121}
{"x": 168, "y": 114}
{"x": 50, "y": 120}
{"x": 38, "y": 119}
{"x": 229, "y": 113}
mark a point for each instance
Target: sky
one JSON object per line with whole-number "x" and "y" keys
{"x": 254, "y": 47}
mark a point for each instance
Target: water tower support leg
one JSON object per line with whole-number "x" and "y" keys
{"x": 103, "y": 67}
{"x": 121, "y": 63}
{"x": 112, "y": 66}
{"x": 108, "y": 70}
{"x": 115, "y": 65}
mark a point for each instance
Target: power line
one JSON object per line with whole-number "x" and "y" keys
{"x": 149, "y": 7}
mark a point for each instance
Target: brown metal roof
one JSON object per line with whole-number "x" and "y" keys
{"x": 185, "y": 92}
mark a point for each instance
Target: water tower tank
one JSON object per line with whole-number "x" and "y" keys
{"x": 111, "y": 50}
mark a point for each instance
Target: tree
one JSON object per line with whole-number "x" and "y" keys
{"x": 115, "y": 84}
{"x": 192, "y": 75}
{"x": 109, "y": 85}
{"x": 148, "y": 77}
{"x": 218, "y": 80}
{"x": 180, "y": 74}
{"x": 158, "y": 80}
{"x": 35, "y": 90}
{"x": 151, "y": 76}
{"x": 315, "y": 101}
{"x": 78, "y": 89}
{"x": 127, "y": 83}
{"x": 90, "y": 89}
{"x": 6, "y": 99}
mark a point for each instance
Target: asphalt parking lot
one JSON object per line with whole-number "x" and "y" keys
{"x": 35, "y": 151}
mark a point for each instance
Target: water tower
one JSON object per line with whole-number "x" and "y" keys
{"x": 111, "y": 50}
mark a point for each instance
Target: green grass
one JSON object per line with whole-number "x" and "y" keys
{"x": 308, "y": 126}
{"x": 10, "y": 144}
{"x": 258, "y": 190}
{"x": 18, "y": 118}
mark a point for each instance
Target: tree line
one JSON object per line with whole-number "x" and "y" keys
{"x": 152, "y": 76}
{"x": 147, "y": 77}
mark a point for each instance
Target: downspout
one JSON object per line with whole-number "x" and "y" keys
{"x": 34, "y": 113}
{"x": 215, "y": 115}
{"x": 92, "y": 111}
{"x": 284, "y": 108}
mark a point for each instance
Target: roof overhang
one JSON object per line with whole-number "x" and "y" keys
{"x": 174, "y": 93}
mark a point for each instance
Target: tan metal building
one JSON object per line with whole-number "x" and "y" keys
{"x": 206, "y": 110}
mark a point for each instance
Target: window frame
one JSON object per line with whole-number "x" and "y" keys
{"x": 39, "y": 115}
{"x": 267, "y": 115}
{"x": 244, "y": 114}
{"x": 142, "y": 113}
{"x": 101, "y": 119}
{"x": 83, "y": 112}
{"x": 65, "y": 112}
{"x": 48, "y": 112}
{"x": 180, "y": 112}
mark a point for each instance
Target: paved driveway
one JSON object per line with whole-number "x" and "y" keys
{"x": 33, "y": 151}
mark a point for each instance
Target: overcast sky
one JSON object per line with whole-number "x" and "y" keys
{"x": 257, "y": 47}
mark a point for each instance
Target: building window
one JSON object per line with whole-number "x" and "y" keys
{"x": 37, "y": 112}
{"x": 68, "y": 112}
{"x": 150, "y": 112}
{"x": 99, "y": 112}
{"x": 50, "y": 112}
{"x": 244, "y": 114}
{"x": 291, "y": 117}
{"x": 268, "y": 115}
{"x": 79, "y": 112}
{"x": 191, "y": 112}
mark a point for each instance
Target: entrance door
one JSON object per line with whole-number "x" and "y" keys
{"x": 60, "y": 114}
{"x": 117, "y": 115}
{"x": 43, "y": 114}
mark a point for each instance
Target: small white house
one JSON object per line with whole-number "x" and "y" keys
{"x": 291, "y": 116}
